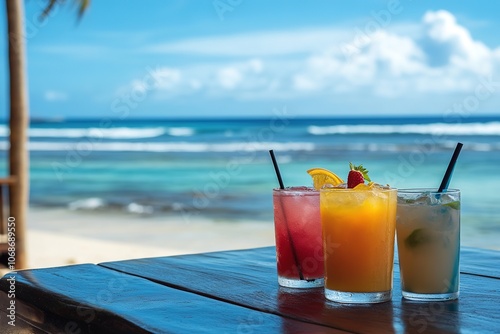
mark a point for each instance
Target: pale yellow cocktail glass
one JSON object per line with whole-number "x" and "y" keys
{"x": 428, "y": 234}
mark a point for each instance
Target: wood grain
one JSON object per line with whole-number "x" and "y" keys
{"x": 232, "y": 292}
{"x": 249, "y": 278}
{"x": 93, "y": 299}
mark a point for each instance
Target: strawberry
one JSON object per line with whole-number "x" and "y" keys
{"x": 357, "y": 175}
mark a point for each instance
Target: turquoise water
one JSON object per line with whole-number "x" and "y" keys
{"x": 221, "y": 169}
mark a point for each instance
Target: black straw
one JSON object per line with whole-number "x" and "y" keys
{"x": 449, "y": 170}
{"x": 276, "y": 168}
{"x": 292, "y": 245}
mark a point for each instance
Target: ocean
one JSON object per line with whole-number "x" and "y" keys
{"x": 220, "y": 169}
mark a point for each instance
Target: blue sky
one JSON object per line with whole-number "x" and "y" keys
{"x": 205, "y": 58}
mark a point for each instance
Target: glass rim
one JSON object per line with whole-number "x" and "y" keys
{"x": 350, "y": 190}
{"x": 296, "y": 189}
{"x": 427, "y": 190}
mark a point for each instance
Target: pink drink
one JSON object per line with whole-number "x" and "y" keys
{"x": 299, "y": 246}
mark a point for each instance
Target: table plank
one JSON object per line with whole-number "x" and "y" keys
{"x": 249, "y": 278}
{"x": 480, "y": 261}
{"x": 93, "y": 299}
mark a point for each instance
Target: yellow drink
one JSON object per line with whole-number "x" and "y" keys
{"x": 358, "y": 239}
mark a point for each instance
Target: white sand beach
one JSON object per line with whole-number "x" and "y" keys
{"x": 59, "y": 237}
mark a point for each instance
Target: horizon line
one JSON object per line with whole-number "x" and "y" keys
{"x": 35, "y": 119}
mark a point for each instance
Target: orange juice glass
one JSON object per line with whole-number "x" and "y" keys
{"x": 358, "y": 241}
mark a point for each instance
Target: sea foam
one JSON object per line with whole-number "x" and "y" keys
{"x": 112, "y": 133}
{"x": 462, "y": 129}
{"x": 87, "y": 204}
{"x": 172, "y": 146}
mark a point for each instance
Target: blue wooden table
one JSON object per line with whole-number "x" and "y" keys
{"x": 230, "y": 292}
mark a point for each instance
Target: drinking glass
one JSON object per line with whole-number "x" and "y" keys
{"x": 299, "y": 249}
{"x": 358, "y": 240}
{"x": 428, "y": 234}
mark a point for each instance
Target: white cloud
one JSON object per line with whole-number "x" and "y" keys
{"x": 54, "y": 96}
{"x": 166, "y": 78}
{"x": 229, "y": 77}
{"x": 74, "y": 50}
{"x": 440, "y": 57}
{"x": 270, "y": 43}
{"x": 215, "y": 80}
{"x": 332, "y": 71}
{"x": 449, "y": 43}
{"x": 443, "y": 59}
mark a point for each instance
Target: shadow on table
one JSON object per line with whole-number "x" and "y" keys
{"x": 311, "y": 305}
{"x": 426, "y": 317}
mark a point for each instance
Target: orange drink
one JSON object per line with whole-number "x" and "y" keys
{"x": 358, "y": 241}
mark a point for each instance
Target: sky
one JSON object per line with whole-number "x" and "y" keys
{"x": 242, "y": 58}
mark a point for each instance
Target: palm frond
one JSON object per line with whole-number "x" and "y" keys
{"x": 83, "y": 5}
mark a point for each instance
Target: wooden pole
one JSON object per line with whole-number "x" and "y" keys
{"x": 19, "y": 157}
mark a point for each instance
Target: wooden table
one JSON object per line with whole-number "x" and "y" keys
{"x": 232, "y": 292}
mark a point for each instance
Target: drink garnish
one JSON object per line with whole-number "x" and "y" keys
{"x": 322, "y": 176}
{"x": 422, "y": 236}
{"x": 454, "y": 205}
{"x": 418, "y": 237}
{"x": 368, "y": 186}
{"x": 357, "y": 175}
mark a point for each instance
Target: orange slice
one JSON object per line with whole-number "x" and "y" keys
{"x": 323, "y": 176}
{"x": 363, "y": 186}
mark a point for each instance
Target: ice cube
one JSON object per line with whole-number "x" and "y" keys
{"x": 434, "y": 199}
{"x": 380, "y": 187}
{"x": 446, "y": 198}
{"x": 338, "y": 186}
{"x": 424, "y": 198}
